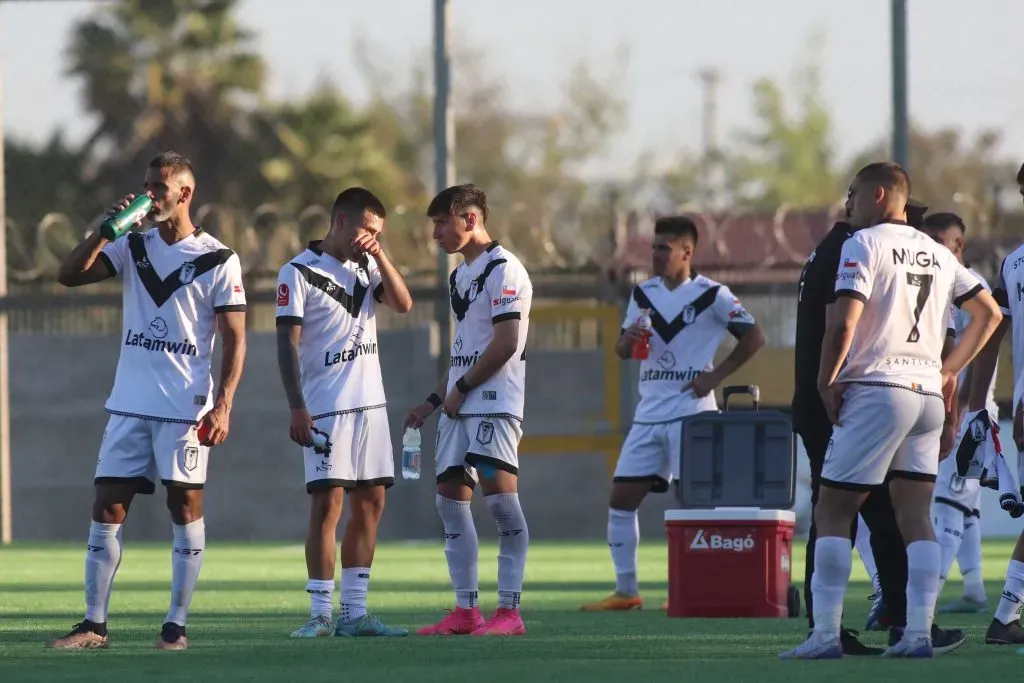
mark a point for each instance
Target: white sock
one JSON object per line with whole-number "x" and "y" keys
{"x": 513, "y": 539}
{"x": 833, "y": 562}
{"x": 355, "y": 582}
{"x": 461, "y": 549}
{"x": 948, "y": 524}
{"x": 186, "y": 561}
{"x": 321, "y": 602}
{"x": 624, "y": 541}
{"x": 922, "y": 587}
{"x": 969, "y": 559}
{"x": 1012, "y": 599}
{"x": 863, "y": 545}
{"x": 102, "y": 558}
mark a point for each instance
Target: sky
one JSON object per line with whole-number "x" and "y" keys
{"x": 966, "y": 59}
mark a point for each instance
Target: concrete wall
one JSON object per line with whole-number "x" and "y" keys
{"x": 255, "y": 481}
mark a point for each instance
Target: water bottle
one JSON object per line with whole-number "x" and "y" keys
{"x": 411, "y": 453}
{"x": 642, "y": 346}
{"x": 121, "y": 222}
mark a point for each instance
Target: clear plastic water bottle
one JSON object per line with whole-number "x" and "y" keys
{"x": 411, "y": 441}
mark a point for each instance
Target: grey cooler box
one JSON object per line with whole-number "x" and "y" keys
{"x": 738, "y": 458}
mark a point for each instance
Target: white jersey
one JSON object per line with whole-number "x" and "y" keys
{"x": 907, "y": 283}
{"x": 334, "y": 302}
{"x": 961, "y": 319}
{"x": 493, "y": 288}
{"x": 172, "y": 293}
{"x": 688, "y": 325}
{"x": 1008, "y": 291}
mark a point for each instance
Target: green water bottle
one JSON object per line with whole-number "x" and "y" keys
{"x": 121, "y": 222}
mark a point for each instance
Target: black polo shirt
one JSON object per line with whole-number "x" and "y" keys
{"x": 815, "y": 291}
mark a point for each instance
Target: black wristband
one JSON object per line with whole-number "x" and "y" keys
{"x": 462, "y": 386}
{"x": 434, "y": 400}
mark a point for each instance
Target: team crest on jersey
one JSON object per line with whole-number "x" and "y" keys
{"x": 474, "y": 290}
{"x": 689, "y": 314}
{"x": 191, "y": 457}
{"x": 485, "y": 433}
{"x": 362, "y": 277}
{"x": 187, "y": 273}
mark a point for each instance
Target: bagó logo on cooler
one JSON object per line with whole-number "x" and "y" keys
{"x": 716, "y": 541}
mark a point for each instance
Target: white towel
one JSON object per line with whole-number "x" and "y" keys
{"x": 980, "y": 456}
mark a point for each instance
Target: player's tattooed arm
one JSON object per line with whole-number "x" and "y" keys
{"x": 395, "y": 293}
{"x": 288, "y": 364}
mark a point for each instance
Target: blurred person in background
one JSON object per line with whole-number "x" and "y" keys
{"x": 689, "y": 315}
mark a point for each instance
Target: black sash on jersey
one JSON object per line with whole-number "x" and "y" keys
{"x": 352, "y": 303}
{"x": 162, "y": 290}
{"x": 460, "y": 304}
{"x": 668, "y": 330}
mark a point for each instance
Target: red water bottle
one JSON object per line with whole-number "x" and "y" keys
{"x": 642, "y": 346}
{"x": 202, "y": 431}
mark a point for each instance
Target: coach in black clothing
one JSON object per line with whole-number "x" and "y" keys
{"x": 816, "y": 291}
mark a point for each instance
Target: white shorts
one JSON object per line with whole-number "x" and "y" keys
{"x": 142, "y": 451}
{"x": 466, "y": 444}
{"x": 651, "y": 453}
{"x": 358, "y": 452}
{"x": 886, "y": 432}
{"x": 956, "y": 491}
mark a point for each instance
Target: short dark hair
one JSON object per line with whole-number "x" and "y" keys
{"x": 677, "y": 226}
{"x": 456, "y": 199}
{"x": 943, "y": 220}
{"x": 356, "y": 200}
{"x": 887, "y": 174}
{"x": 179, "y": 163}
{"x": 1020, "y": 175}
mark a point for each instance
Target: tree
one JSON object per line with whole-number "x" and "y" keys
{"x": 950, "y": 172}
{"x": 42, "y": 183}
{"x": 175, "y": 74}
{"x": 529, "y": 163}
{"x": 788, "y": 157}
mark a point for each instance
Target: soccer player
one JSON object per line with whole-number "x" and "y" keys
{"x": 180, "y": 286}
{"x": 894, "y": 288}
{"x": 327, "y": 356}
{"x": 691, "y": 314}
{"x": 1005, "y": 628}
{"x": 815, "y": 300}
{"x": 480, "y": 427}
{"x": 957, "y": 499}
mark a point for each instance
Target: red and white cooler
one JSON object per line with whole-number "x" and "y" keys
{"x": 730, "y": 562}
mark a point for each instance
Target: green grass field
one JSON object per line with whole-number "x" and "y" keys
{"x": 251, "y": 597}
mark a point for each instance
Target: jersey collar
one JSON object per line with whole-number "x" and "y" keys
{"x": 314, "y": 247}
{"x": 492, "y": 246}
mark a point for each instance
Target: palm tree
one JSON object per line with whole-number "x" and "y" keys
{"x": 174, "y": 74}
